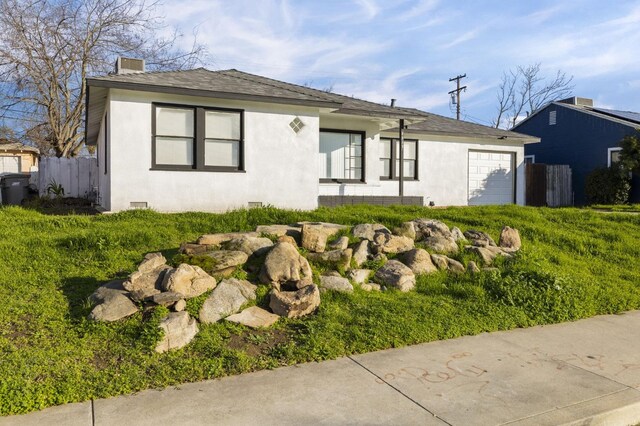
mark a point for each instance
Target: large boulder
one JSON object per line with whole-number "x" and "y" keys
{"x": 254, "y": 317}
{"x": 457, "y": 234}
{"x": 112, "y": 303}
{"x": 367, "y": 231}
{"x": 227, "y": 298}
{"x": 280, "y": 230}
{"x": 249, "y": 245}
{"x": 445, "y": 263}
{"x": 179, "y": 329}
{"x": 510, "y": 239}
{"x": 435, "y": 235}
{"x": 396, "y": 274}
{"x": 340, "y": 244}
{"x": 295, "y": 304}
{"x": 359, "y": 276}
{"x": 361, "y": 252}
{"x": 218, "y": 239}
{"x": 488, "y": 254}
{"x": 188, "y": 280}
{"x": 146, "y": 280}
{"x": 406, "y": 229}
{"x": 339, "y": 284}
{"x": 479, "y": 238}
{"x": 314, "y": 238}
{"x": 419, "y": 261}
{"x": 225, "y": 262}
{"x": 387, "y": 243}
{"x": 284, "y": 267}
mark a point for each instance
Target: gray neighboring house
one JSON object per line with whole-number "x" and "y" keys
{"x": 217, "y": 140}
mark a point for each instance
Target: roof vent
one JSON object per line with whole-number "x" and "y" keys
{"x": 574, "y": 100}
{"x": 129, "y": 65}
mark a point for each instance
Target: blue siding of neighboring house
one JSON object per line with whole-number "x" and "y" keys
{"x": 578, "y": 139}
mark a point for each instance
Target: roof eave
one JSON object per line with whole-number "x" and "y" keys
{"x": 125, "y": 85}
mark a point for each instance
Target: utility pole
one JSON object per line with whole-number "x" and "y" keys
{"x": 455, "y": 94}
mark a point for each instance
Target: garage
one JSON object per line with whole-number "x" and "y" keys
{"x": 9, "y": 164}
{"x": 491, "y": 177}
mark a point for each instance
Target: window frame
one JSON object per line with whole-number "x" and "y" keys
{"x": 611, "y": 151}
{"x": 531, "y": 157}
{"x": 363, "y": 156}
{"x": 395, "y": 157}
{"x": 199, "y": 125}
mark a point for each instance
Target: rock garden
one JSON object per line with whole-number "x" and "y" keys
{"x": 296, "y": 264}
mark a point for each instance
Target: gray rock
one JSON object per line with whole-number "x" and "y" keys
{"x": 144, "y": 284}
{"x": 288, "y": 239}
{"x": 472, "y": 268}
{"x": 455, "y": 266}
{"x": 379, "y": 257}
{"x": 295, "y": 304}
{"x": 112, "y": 303}
{"x": 397, "y": 244}
{"x": 435, "y": 235}
{"x": 329, "y": 228}
{"x": 440, "y": 261}
{"x": 361, "y": 252}
{"x": 340, "y": 244}
{"x": 180, "y": 305}
{"x": 179, "y": 329}
{"x": 226, "y": 261}
{"x": 314, "y": 238}
{"x": 487, "y": 255}
{"x": 167, "y": 298}
{"x": 510, "y": 239}
{"x": 254, "y": 317}
{"x": 341, "y": 259}
{"x": 190, "y": 281}
{"x": 151, "y": 261}
{"x": 367, "y": 231}
{"x": 359, "y": 276}
{"x": 227, "y": 298}
{"x": 334, "y": 283}
{"x": 396, "y": 274}
{"x": 249, "y": 245}
{"x": 285, "y": 267}
{"x": 218, "y": 239}
{"x": 479, "y": 238}
{"x": 407, "y": 229}
{"x": 457, "y": 234}
{"x": 280, "y": 230}
{"x": 419, "y": 261}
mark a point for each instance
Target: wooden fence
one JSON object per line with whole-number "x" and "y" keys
{"x": 549, "y": 185}
{"x": 78, "y": 176}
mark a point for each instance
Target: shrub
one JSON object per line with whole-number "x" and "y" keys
{"x": 608, "y": 185}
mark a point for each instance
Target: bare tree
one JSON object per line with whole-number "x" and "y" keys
{"x": 49, "y": 47}
{"x": 524, "y": 90}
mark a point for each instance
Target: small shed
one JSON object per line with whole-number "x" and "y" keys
{"x": 16, "y": 157}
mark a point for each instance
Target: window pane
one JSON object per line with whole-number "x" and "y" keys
{"x": 222, "y": 125}
{"x": 409, "y": 169}
{"x": 174, "y": 121}
{"x": 615, "y": 156}
{"x": 410, "y": 150}
{"x": 333, "y": 154}
{"x": 174, "y": 151}
{"x": 385, "y": 148}
{"x": 386, "y": 168}
{"x": 221, "y": 153}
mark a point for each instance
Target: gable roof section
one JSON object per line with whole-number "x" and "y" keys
{"x": 17, "y": 146}
{"x": 627, "y": 118}
{"x": 230, "y": 84}
{"x": 439, "y": 125}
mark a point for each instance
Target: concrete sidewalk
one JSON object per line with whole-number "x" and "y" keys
{"x": 586, "y": 372}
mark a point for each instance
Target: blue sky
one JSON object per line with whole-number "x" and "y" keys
{"x": 408, "y": 49}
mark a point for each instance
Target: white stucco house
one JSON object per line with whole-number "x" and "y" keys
{"x": 201, "y": 140}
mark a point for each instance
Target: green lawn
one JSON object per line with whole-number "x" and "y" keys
{"x": 626, "y": 208}
{"x": 574, "y": 264}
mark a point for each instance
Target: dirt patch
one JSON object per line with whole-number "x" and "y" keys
{"x": 257, "y": 342}
{"x": 61, "y": 206}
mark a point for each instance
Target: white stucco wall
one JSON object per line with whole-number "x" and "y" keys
{"x": 281, "y": 167}
{"x": 104, "y": 192}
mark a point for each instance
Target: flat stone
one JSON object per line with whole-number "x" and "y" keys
{"x": 249, "y": 245}
{"x": 254, "y": 317}
{"x": 218, "y": 239}
{"x": 167, "y": 298}
{"x": 341, "y": 243}
{"x": 339, "y": 284}
{"x": 280, "y": 230}
{"x": 227, "y": 298}
{"x": 188, "y": 280}
{"x": 487, "y": 256}
{"x": 295, "y": 304}
{"x": 419, "y": 261}
{"x": 397, "y": 244}
{"x": 144, "y": 284}
{"x": 395, "y": 274}
{"x": 179, "y": 329}
{"x": 359, "y": 276}
{"x": 194, "y": 249}
{"x": 151, "y": 261}
{"x": 367, "y": 231}
{"x": 285, "y": 267}
{"x": 226, "y": 261}
{"x": 479, "y": 238}
{"x": 339, "y": 258}
{"x": 329, "y": 228}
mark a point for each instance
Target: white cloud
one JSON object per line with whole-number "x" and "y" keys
{"x": 422, "y": 7}
{"x": 369, "y": 7}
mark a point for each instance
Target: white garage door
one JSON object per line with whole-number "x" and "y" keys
{"x": 491, "y": 177}
{"x": 9, "y": 164}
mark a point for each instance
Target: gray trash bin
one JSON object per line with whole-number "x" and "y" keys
{"x": 13, "y": 187}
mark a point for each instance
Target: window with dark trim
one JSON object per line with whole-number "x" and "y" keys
{"x": 197, "y": 138}
{"x": 342, "y": 156}
{"x": 390, "y": 158}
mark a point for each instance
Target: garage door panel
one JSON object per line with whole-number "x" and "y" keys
{"x": 491, "y": 178}
{"x": 9, "y": 164}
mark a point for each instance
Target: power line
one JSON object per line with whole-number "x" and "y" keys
{"x": 456, "y": 93}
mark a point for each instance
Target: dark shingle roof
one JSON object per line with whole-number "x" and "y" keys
{"x": 439, "y": 125}
{"x": 624, "y": 115}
